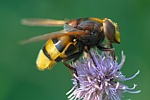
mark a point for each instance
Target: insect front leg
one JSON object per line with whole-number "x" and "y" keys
{"x": 107, "y": 47}
{"x": 112, "y": 52}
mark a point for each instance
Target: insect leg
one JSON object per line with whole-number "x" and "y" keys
{"x": 110, "y": 49}
{"x": 113, "y": 52}
{"x": 86, "y": 49}
{"x": 72, "y": 69}
{"x": 103, "y": 48}
{"x": 74, "y": 56}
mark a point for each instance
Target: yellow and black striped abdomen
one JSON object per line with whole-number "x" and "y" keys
{"x": 54, "y": 51}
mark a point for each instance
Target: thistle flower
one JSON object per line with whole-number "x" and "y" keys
{"x": 100, "y": 81}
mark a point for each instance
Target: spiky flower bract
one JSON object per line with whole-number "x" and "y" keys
{"x": 100, "y": 81}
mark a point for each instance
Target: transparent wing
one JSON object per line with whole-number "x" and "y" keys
{"x": 53, "y": 35}
{"x": 42, "y": 22}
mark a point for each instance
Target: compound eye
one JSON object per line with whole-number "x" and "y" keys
{"x": 109, "y": 29}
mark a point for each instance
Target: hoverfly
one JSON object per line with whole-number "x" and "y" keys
{"x": 78, "y": 35}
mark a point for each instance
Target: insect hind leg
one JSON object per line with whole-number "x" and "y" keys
{"x": 72, "y": 70}
{"x": 74, "y": 56}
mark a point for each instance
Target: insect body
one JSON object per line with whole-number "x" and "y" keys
{"x": 54, "y": 51}
{"x": 78, "y": 36}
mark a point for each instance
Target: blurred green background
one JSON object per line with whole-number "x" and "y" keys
{"x": 19, "y": 77}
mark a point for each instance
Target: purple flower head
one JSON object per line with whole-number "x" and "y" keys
{"x": 103, "y": 81}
